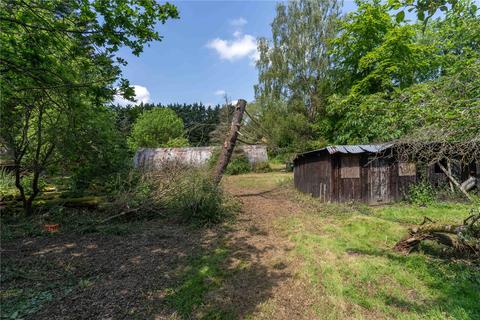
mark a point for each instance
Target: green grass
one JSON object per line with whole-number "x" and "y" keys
{"x": 258, "y": 181}
{"x": 202, "y": 275}
{"x": 24, "y": 301}
{"x": 342, "y": 253}
{"x": 18, "y": 303}
{"x": 441, "y": 212}
{"x": 348, "y": 258}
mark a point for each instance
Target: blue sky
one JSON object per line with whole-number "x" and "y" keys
{"x": 209, "y": 51}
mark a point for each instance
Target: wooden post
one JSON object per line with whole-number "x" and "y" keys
{"x": 230, "y": 141}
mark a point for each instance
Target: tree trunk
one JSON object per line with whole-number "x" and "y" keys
{"x": 230, "y": 141}
{"x": 18, "y": 183}
{"x": 28, "y": 206}
{"x": 455, "y": 182}
{"x": 469, "y": 183}
{"x": 449, "y": 168}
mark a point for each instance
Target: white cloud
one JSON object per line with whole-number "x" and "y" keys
{"x": 239, "y": 22}
{"x": 220, "y": 93}
{"x": 240, "y": 47}
{"x": 141, "y": 95}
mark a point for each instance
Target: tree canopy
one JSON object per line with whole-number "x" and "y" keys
{"x": 387, "y": 78}
{"x": 295, "y": 68}
{"x": 159, "y": 127}
{"x": 59, "y": 69}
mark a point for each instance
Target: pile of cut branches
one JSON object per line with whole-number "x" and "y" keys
{"x": 463, "y": 238}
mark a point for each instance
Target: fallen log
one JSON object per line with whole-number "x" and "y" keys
{"x": 463, "y": 238}
{"x": 469, "y": 183}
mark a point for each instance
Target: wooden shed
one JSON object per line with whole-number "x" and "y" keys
{"x": 370, "y": 174}
{"x": 363, "y": 173}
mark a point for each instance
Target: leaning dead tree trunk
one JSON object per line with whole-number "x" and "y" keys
{"x": 463, "y": 238}
{"x": 455, "y": 182}
{"x": 230, "y": 141}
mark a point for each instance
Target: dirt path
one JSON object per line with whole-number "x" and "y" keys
{"x": 276, "y": 292}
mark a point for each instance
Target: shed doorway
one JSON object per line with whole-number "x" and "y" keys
{"x": 378, "y": 181}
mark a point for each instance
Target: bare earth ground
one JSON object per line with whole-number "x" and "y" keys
{"x": 281, "y": 258}
{"x": 134, "y": 276}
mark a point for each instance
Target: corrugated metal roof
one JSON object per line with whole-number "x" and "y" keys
{"x": 357, "y": 148}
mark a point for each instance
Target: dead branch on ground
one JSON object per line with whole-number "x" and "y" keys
{"x": 463, "y": 238}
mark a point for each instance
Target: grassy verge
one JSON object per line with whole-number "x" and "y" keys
{"x": 347, "y": 258}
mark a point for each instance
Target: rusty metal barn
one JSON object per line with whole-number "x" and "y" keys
{"x": 365, "y": 173}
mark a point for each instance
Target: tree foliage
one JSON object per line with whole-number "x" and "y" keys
{"x": 58, "y": 66}
{"x": 433, "y": 83}
{"x": 157, "y": 128}
{"x": 199, "y": 120}
{"x": 375, "y": 54}
{"x": 388, "y": 79}
{"x": 295, "y": 66}
{"x": 424, "y": 9}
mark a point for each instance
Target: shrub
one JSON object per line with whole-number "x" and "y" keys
{"x": 197, "y": 199}
{"x": 262, "y": 167}
{"x": 238, "y": 163}
{"x": 159, "y": 127}
{"x": 185, "y": 192}
{"x": 421, "y": 194}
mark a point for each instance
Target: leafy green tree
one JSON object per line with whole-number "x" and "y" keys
{"x": 410, "y": 87}
{"x": 99, "y": 150}
{"x": 375, "y": 54}
{"x": 295, "y": 70}
{"x": 296, "y": 65}
{"x": 158, "y": 127}
{"x": 456, "y": 37}
{"x": 199, "y": 120}
{"x": 425, "y": 9}
{"x": 58, "y": 64}
{"x": 444, "y": 109}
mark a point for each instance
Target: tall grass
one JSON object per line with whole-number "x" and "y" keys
{"x": 177, "y": 190}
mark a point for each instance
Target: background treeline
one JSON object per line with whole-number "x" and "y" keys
{"x": 199, "y": 120}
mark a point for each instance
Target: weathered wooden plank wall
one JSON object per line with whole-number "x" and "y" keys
{"x": 346, "y": 180}
{"x": 353, "y": 177}
{"x": 313, "y": 176}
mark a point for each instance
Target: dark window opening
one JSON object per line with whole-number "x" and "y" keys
{"x": 437, "y": 168}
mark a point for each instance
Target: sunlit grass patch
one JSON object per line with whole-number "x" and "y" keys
{"x": 349, "y": 259}
{"x": 203, "y": 274}
{"x": 258, "y": 181}
{"x": 411, "y": 214}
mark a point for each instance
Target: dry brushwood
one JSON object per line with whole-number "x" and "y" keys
{"x": 463, "y": 238}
